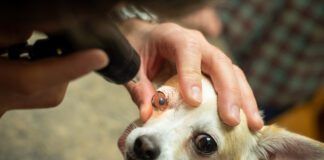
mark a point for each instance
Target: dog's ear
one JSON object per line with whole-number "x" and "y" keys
{"x": 276, "y": 143}
{"x": 128, "y": 130}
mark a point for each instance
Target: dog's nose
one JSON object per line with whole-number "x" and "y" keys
{"x": 145, "y": 148}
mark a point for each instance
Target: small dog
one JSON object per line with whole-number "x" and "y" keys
{"x": 177, "y": 131}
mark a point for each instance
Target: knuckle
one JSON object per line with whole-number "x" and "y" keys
{"x": 168, "y": 30}
{"x": 192, "y": 45}
{"x": 235, "y": 90}
{"x": 170, "y": 26}
{"x": 216, "y": 59}
{"x": 169, "y": 33}
{"x": 197, "y": 34}
{"x": 238, "y": 70}
{"x": 191, "y": 72}
{"x": 182, "y": 39}
{"x": 232, "y": 91}
{"x": 223, "y": 58}
{"x": 215, "y": 56}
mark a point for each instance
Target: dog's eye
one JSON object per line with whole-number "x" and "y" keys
{"x": 205, "y": 144}
{"x": 160, "y": 101}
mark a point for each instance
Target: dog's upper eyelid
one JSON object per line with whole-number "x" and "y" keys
{"x": 197, "y": 129}
{"x": 171, "y": 94}
{"x": 168, "y": 91}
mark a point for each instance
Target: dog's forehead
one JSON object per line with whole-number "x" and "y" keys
{"x": 172, "y": 90}
{"x": 180, "y": 110}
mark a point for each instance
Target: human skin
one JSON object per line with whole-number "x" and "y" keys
{"x": 192, "y": 56}
{"x": 43, "y": 83}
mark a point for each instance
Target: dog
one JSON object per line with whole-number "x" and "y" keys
{"x": 176, "y": 131}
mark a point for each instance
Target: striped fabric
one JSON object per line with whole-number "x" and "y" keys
{"x": 280, "y": 46}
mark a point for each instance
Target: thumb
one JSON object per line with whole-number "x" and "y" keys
{"x": 70, "y": 67}
{"x": 141, "y": 93}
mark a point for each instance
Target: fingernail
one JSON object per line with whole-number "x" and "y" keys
{"x": 235, "y": 112}
{"x": 196, "y": 93}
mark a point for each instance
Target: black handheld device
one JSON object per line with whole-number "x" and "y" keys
{"x": 124, "y": 62}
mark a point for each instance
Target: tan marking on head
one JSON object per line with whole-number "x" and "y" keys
{"x": 237, "y": 140}
{"x": 173, "y": 82}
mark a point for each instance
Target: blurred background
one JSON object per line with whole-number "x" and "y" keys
{"x": 86, "y": 126}
{"x": 278, "y": 44}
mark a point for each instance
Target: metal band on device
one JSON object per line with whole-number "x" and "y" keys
{"x": 136, "y": 79}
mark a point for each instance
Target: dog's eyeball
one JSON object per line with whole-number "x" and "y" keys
{"x": 160, "y": 101}
{"x": 205, "y": 144}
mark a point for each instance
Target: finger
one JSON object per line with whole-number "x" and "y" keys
{"x": 248, "y": 101}
{"x": 220, "y": 69}
{"x": 142, "y": 93}
{"x": 183, "y": 47}
{"x": 189, "y": 71}
{"x": 188, "y": 64}
{"x": 37, "y": 75}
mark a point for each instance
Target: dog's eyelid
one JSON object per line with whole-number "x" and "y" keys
{"x": 204, "y": 129}
{"x": 204, "y": 132}
{"x": 171, "y": 94}
{"x": 168, "y": 91}
{"x": 160, "y": 101}
{"x": 201, "y": 146}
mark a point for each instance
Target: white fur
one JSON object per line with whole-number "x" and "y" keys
{"x": 173, "y": 128}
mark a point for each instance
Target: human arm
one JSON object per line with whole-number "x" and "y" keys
{"x": 40, "y": 84}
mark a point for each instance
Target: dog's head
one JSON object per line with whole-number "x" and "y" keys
{"x": 177, "y": 131}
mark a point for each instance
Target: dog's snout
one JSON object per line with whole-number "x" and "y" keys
{"x": 146, "y": 148}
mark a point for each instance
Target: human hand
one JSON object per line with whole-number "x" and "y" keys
{"x": 192, "y": 54}
{"x": 42, "y": 83}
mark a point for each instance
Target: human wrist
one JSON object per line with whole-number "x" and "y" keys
{"x": 135, "y": 30}
{"x": 135, "y": 22}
